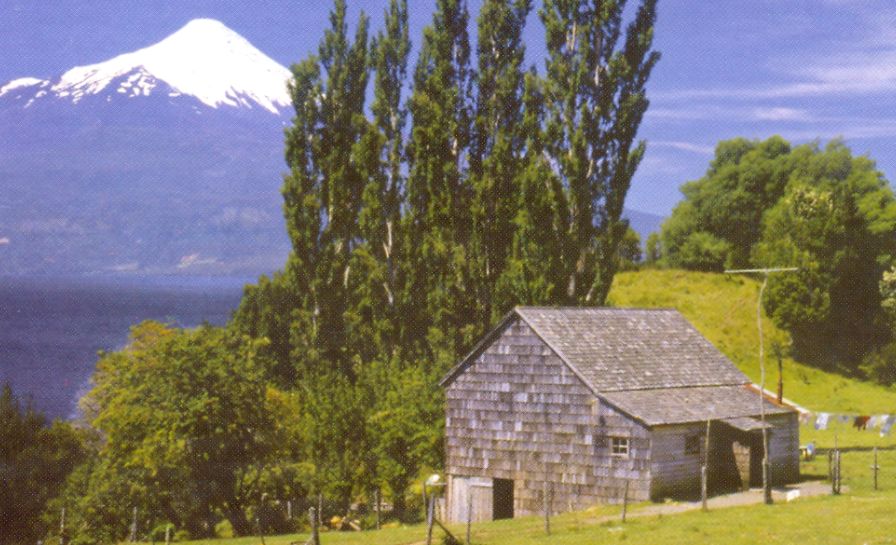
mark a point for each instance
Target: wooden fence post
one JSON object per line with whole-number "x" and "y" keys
{"x": 875, "y": 468}
{"x": 831, "y": 465}
{"x": 430, "y": 517}
{"x": 168, "y": 535}
{"x": 835, "y": 472}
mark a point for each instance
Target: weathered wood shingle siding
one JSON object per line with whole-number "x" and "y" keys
{"x": 518, "y": 410}
{"x": 676, "y": 473}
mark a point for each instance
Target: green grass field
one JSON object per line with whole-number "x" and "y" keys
{"x": 723, "y": 309}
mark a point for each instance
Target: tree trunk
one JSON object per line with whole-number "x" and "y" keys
{"x": 399, "y": 506}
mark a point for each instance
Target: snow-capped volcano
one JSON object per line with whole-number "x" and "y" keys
{"x": 204, "y": 60}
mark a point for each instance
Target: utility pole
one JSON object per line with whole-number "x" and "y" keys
{"x": 766, "y": 482}
{"x": 779, "y": 353}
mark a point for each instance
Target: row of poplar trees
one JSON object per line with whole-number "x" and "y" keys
{"x": 468, "y": 186}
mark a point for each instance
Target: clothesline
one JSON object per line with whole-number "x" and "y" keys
{"x": 821, "y": 421}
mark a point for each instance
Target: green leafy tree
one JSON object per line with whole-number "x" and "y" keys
{"x": 702, "y": 251}
{"x": 35, "y": 459}
{"x": 595, "y": 98}
{"x": 654, "y": 251}
{"x": 744, "y": 180}
{"x": 630, "y": 254}
{"x": 837, "y": 222}
{"x": 334, "y": 440}
{"x": 405, "y": 410}
{"x": 888, "y": 296}
{"x": 188, "y": 428}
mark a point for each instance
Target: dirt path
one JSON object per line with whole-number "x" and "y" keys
{"x": 750, "y": 497}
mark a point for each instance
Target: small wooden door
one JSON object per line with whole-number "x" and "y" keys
{"x": 470, "y": 496}
{"x": 502, "y": 499}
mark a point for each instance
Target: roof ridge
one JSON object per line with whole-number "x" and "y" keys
{"x": 685, "y": 387}
{"x": 575, "y": 308}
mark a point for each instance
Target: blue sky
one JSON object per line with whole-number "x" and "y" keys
{"x": 804, "y": 69}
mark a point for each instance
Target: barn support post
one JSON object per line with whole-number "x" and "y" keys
{"x": 703, "y": 486}
{"x": 704, "y": 469}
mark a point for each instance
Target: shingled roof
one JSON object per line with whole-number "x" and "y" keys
{"x": 631, "y": 349}
{"x": 676, "y": 405}
{"x": 650, "y": 363}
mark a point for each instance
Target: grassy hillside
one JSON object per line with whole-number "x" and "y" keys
{"x": 723, "y": 308}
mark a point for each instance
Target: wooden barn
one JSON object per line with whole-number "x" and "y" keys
{"x": 578, "y": 405}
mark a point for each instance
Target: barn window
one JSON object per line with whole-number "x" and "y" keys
{"x": 692, "y": 444}
{"x": 619, "y": 446}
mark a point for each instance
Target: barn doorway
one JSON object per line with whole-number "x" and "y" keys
{"x": 502, "y": 499}
{"x": 736, "y": 453}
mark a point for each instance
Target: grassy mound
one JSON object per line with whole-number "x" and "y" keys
{"x": 723, "y": 308}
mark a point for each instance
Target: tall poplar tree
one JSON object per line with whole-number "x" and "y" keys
{"x": 497, "y": 147}
{"x": 595, "y": 98}
{"x": 328, "y": 152}
{"x": 534, "y": 273}
{"x": 323, "y": 189}
{"x": 375, "y": 284}
{"x": 437, "y": 300}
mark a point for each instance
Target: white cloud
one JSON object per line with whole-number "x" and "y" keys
{"x": 683, "y": 146}
{"x": 4, "y": 241}
{"x": 868, "y": 67}
{"x": 712, "y": 113}
{"x": 780, "y": 114}
{"x": 125, "y": 267}
{"x": 194, "y": 260}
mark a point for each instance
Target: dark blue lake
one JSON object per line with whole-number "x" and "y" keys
{"x": 52, "y": 328}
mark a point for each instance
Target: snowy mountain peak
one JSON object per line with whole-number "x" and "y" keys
{"x": 204, "y": 59}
